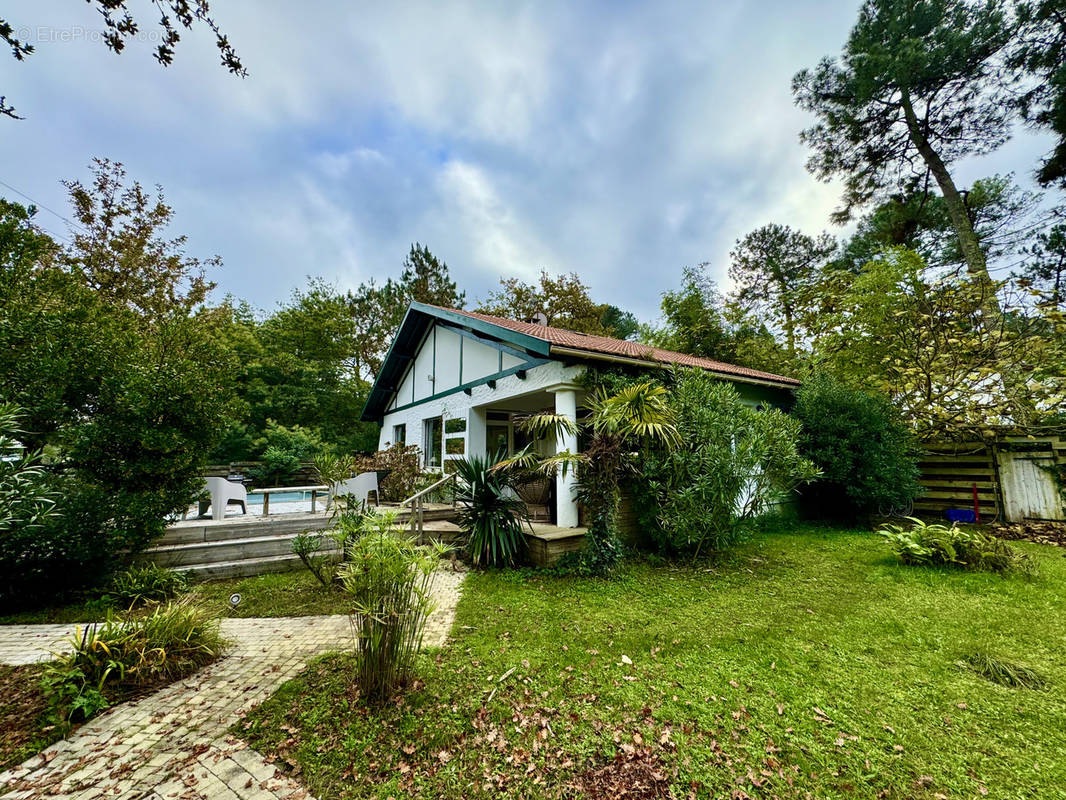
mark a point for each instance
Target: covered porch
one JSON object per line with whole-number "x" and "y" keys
{"x": 494, "y": 427}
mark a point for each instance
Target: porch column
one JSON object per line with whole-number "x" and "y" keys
{"x": 566, "y": 406}
{"x": 476, "y": 423}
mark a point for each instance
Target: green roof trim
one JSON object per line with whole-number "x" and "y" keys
{"x": 416, "y": 321}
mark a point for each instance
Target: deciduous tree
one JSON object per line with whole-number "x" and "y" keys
{"x": 120, "y": 26}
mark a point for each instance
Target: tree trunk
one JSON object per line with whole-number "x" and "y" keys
{"x": 976, "y": 264}
{"x": 1023, "y": 411}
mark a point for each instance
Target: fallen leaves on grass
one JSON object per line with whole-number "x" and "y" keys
{"x": 1039, "y": 531}
{"x": 638, "y": 774}
{"x": 22, "y": 708}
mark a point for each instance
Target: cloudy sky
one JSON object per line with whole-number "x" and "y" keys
{"x": 620, "y": 140}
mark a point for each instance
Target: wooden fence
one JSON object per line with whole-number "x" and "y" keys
{"x": 951, "y": 471}
{"x": 304, "y": 476}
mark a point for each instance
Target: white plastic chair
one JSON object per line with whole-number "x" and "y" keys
{"x": 223, "y": 493}
{"x": 358, "y": 487}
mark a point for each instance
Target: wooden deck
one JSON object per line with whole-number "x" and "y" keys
{"x": 548, "y": 543}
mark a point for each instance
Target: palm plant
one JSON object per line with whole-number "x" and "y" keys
{"x": 491, "y": 513}
{"x": 635, "y": 417}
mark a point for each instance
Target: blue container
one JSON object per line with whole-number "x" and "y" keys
{"x": 960, "y": 515}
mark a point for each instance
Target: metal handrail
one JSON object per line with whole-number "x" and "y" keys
{"x": 428, "y": 489}
{"x": 418, "y": 509}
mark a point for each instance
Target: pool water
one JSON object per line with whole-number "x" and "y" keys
{"x": 282, "y": 497}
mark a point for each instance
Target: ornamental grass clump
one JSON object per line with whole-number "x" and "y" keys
{"x": 120, "y": 658}
{"x": 389, "y": 578}
{"x": 933, "y": 544}
{"x": 145, "y": 583}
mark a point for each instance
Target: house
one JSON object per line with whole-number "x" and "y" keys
{"x": 454, "y": 381}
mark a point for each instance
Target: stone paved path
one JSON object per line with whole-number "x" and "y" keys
{"x": 174, "y": 745}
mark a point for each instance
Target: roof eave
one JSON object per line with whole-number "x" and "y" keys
{"x": 574, "y": 352}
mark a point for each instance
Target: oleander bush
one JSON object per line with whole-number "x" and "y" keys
{"x": 865, "y": 451}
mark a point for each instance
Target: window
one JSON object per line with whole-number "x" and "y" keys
{"x": 498, "y": 439}
{"x": 432, "y": 441}
{"x": 399, "y": 434}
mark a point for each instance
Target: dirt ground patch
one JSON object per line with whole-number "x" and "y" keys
{"x": 22, "y": 708}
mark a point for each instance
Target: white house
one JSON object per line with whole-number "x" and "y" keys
{"x": 453, "y": 382}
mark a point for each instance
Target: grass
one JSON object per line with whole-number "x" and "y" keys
{"x": 807, "y": 664}
{"x": 287, "y": 594}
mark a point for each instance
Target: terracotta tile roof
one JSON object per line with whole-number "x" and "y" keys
{"x": 561, "y": 337}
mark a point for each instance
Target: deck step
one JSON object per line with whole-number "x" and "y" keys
{"x": 240, "y": 529}
{"x": 241, "y": 568}
{"x": 182, "y": 555}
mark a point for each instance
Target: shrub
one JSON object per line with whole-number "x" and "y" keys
{"x": 145, "y": 583}
{"x": 404, "y": 466}
{"x": 308, "y": 547}
{"x": 865, "y": 451}
{"x": 121, "y": 656}
{"x": 389, "y": 578}
{"x": 282, "y": 450}
{"x": 933, "y": 544}
{"x": 491, "y": 512}
{"x": 735, "y": 464}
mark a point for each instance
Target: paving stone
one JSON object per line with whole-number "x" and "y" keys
{"x": 175, "y": 742}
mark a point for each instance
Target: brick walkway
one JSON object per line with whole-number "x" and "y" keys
{"x": 174, "y": 745}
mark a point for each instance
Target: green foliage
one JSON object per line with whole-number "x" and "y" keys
{"x": 933, "y": 544}
{"x": 123, "y": 654}
{"x": 26, "y": 499}
{"x": 699, "y": 321}
{"x": 308, "y": 546}
{"x": 388, "y": 578}
{"x": 1004, "y": 672}
{"x": 734, "y": 464}
{"x": 490, "y": 513}
{"x": 866, "y": 454}
{"x": 773, "y": 271}
{"x": 1039, "y": 47}
{"x": 122, "y": 380}
{"x": 921, "y": 339}
{"x": 283, "y": 451}
{"x": 145, "y": 583}
{"x": 299, "y": 366}
{"x": 915, "y": 81}
{"x": 564, "y": 302}
{"x": 403, "y": 467}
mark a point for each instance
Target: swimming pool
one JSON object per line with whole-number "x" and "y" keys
{"x": 282, "y": 497}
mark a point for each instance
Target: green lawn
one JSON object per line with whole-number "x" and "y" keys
{"x": 289, "y": 594}
{"x": 809, "y": 664}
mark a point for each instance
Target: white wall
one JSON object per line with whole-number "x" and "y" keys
{"x": 459, "y": 404}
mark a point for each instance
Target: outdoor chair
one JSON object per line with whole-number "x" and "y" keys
{"x": 358, "y": 487}
{"x": 223, "y": 492}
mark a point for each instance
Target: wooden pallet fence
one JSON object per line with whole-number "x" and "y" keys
{"x": 949, "y": 472}
{"x": 304, "y": 476}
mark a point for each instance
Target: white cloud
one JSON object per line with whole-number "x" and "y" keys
{"x": 621, "y": 141}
